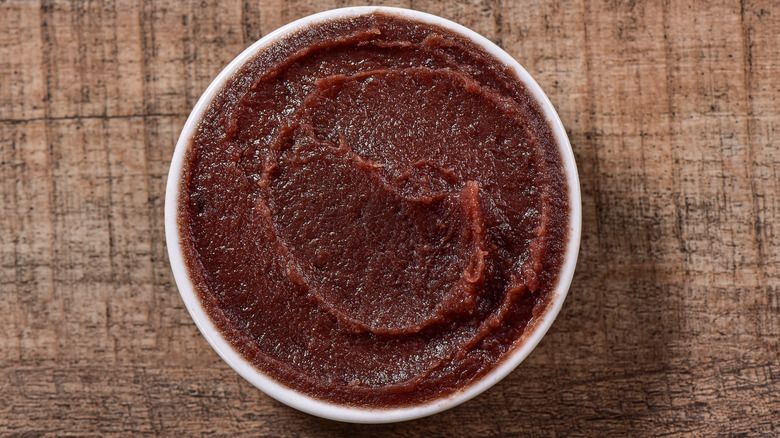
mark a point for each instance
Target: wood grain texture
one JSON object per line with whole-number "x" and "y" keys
{"x": 672, "y": 325}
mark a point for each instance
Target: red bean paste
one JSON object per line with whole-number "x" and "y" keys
{"x": 374, "y": 211}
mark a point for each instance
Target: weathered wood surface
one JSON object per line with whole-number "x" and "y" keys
{"x": 672, "y": 325}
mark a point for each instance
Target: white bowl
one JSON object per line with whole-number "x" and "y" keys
{"x": 294, "y": 398}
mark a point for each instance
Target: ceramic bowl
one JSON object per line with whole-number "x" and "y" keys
{"x": 301, "y": 401}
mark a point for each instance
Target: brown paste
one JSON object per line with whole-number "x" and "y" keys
{"x": 373, "y": 211}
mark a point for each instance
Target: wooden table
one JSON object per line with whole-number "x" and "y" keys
{"x": 672, "y": 324}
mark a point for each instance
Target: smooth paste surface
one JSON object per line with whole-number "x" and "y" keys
{"x": 373, "y": 211}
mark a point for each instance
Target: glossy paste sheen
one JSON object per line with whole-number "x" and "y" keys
{"x": 373, "y": 211}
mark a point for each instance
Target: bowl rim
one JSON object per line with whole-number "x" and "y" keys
{"x": 290, "y": 396}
